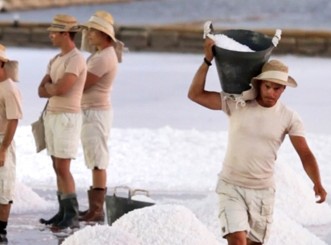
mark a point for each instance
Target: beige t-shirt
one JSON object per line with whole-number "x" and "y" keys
{"x": 104, "y": 65}
{"x": 74, "y": 63}
{"x": 10, "y": 103}
{"x": 255, "y": 135}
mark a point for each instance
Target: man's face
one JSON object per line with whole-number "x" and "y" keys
{"x": 56, "y": 38}
{"x": 270, "y": 92}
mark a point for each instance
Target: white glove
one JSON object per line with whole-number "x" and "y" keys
{"x": 241, "y": 99}
{"x": 277, "y": 37}
{"x": 208, "y": 30}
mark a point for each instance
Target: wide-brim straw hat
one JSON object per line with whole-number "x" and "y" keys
{"x": 3, "y": 56}
{"x": 277, "y": 72}
{"x": 64, "y": 23}
{"x": 102, "y": 21}
{"x": 11, "y": 66}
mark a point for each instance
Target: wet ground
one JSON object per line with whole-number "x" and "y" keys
{"x": 24, "y": 229}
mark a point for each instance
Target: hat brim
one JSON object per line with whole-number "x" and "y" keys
{"x": 54, "y": 29}
{"x": 93, "y": 25}
{"x": 290, "y": 81}
{"x": 3, "y": 59}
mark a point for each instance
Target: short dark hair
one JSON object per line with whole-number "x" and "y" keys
{"x": 72, "y": 35}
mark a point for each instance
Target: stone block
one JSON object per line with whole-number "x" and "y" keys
{"x": 134, "y": 38}
{"x": 16, "y": 35}
{"x": 40, "y": 36}
{"x": 190, "y": 42}
{"x": 286, "y": 45}
{"x": 163, "y": 40}
{"x": 327, "y": 52}
{"x": 311, "y": 46}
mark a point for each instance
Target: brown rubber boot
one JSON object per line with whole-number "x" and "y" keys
{"x": 83, "y": 213}
{"x": 96, "y": 212}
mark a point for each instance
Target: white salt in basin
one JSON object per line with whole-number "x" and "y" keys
{"x": 228, "y": 43}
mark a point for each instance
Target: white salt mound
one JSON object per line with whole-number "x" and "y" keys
{"x": 101, "y": 235}
{"x": 26, "y": 200}
{"x": 228, "y": 43}
{"x": 165, "y": 224}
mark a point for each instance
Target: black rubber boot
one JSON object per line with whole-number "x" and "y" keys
{"x": 3, "y": 239}
{"x": 57, "y": 217}
{"x": 70, "y": 217}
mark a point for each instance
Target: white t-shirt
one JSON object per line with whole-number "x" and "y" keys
{"x": 10, "y": 103}
{"x": 104, "y": 65}
{"x": 72, "y": 62}
{"x": 255, "y": 135}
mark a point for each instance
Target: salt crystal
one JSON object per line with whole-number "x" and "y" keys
{"x": 228, "y": 43}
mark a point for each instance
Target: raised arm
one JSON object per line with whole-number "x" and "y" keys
{"x": 197, "y": 92}
{"x": 310, "y": 165}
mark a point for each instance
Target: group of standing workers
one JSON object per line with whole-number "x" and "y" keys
{"x": 78, "y": 109}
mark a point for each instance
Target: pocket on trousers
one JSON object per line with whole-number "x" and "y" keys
{"x": 267, "y": 207}
{"x": 267, "y": 213}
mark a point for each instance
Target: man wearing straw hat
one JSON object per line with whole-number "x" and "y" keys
{"x": 99, "y": 39}
{"x": 10, "y": 113}
{"x": 63, "y": 85}
{"x": 246, "y": 185}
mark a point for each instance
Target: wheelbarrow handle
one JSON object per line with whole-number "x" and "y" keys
{"x": 129, "y": 190}
{"x": 140, "y": 190}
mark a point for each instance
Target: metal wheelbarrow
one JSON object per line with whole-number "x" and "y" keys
{"x": 117, "y": 206}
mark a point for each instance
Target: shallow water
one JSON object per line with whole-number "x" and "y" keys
{"x": 284, "y": 14}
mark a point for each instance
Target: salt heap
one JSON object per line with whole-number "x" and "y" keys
{"x": 101, "y": 234}
{"x": 165, "y": 224}
{"x": 26, "y": 200}
{"x": 228, "y": 43}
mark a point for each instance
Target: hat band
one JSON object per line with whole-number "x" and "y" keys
{"x": 102, "y": 23}
{"x": 65, "y": 27}
{"x": 283, "y": 76}
{"x": 59, "y": 26}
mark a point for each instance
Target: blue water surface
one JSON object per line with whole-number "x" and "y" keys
{"x": 284, "y": 14}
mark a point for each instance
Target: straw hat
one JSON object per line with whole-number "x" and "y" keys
{"x": 64, "y": 23}
{"x": 275, "y": 71}
{"x": 3, "y": 56}
{"x": 11, "y": 66}
{"x": 102, "y": 21}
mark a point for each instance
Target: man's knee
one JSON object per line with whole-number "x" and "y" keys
{"x": 236, "y": 238}
{"x": 249, "y": 242}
